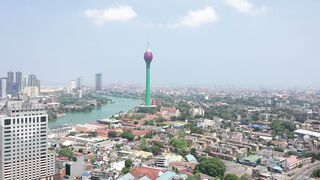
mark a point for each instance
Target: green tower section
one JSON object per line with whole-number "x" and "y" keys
{"x": 148, "y": 86}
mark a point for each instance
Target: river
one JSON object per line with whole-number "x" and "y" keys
{"x": 119, "y": 104}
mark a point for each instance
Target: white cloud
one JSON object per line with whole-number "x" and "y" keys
{"x": 197, "y": 18}
{"x": 246, "y": 7}
{"x": 114, "y": 14}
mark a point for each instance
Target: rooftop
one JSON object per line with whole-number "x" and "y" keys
{"x": 307, "y": 132}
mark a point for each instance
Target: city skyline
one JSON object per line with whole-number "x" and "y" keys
{"x": 208, "y": 42}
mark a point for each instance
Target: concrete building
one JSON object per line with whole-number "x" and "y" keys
{"x": 25, "y": 82}
{"x": 3, "y": 88}
{"x": 10, "y": 82}
{"x": 293, "y": 162}
{"x": 24, "y": 151}
{"x": 18, "y": 81}
{"x": 162, "y": 161}
{"x": 31, "y": 81}
{"x": 98, "y": 82}
{"x": 196, "y": 112}
{"x": 30, "y": 92}
{"x": 78, "y": 83}
{"x": 209, "y": 124}
{"x": 74, "y": 169}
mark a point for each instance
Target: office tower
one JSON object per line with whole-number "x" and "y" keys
{"x": 3, "y": 88}
{"x": 99, "y": 82}
{"x": 10, "y": 82}
{"x": 18, "y": 81}
{"x": 25, "y": 81}
{"x": 79, "y": 83}
{"x": 148, "y": 56}
{"x": 23, "y": 146}
{"x": 32, "y": 80}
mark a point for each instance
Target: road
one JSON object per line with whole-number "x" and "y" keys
{"x": 306, "y": 171}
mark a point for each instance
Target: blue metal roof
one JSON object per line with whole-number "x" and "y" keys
{"x": 191, "y": 158}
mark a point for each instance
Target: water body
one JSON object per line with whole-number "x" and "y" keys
{"x": 120, "y": 104}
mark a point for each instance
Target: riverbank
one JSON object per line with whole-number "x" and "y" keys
{"x": 120, "y": 105}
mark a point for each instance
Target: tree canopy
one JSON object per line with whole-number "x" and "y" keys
{"x": 231, "y": 177}
{"x": 112, "y": 134}
{"x": 127, "y": 135}
{"x": 316, "y": 173}
{"x": 281, "y": 128}
{"x": 179, "y": 145}
{"x": 65, "y": 151}
{"x": 212, "y": 166}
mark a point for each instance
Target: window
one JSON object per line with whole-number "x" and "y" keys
{"x": 7, "y": 122}
{"x": 43, "y": 119}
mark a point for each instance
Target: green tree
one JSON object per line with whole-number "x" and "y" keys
{"x": 193, "y": 152}
{"x": 278, "y": 148}
{"x": 245, "y": 177}
{"x": 316, "y": 173}
{"x": 112, "y": 134}
{"x": 155, "y": 150}
{"x": 127, "y": 135}
{"x": 125, "y": 170}
{"x": 196, "y": 176}
{"x": 128, "y": 163}
{"x": 65, "y": 151}
{"x": 212, "y": 166}
{"x": 196, "y": 130}
{"x": 80, "y": 150}
{"x": 92, "y": 134}
{"x": 180, "y": 146}
{"x": 282, "y": 128}
{"x": 149, "y": 123}
{"x": 231, "y": 177}
{"x": 181, "y": 133}
{"x": 72, "y": 133}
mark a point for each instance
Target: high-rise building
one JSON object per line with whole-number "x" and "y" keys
{"x": 10, "y": 82}
{"x": 3, "y": 88}
{"x": 79, "y": 83}
{"x": 32, "y": 80}
{"x": 18, "y": 81}
{"x": 25, "y": 81}
{"x": 148, "y": 56}
{"x": 73, "y": 85}
{"x": 23, "y": 144}
{"x": 98, "y": 82}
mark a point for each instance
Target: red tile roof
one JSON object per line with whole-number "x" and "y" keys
{"x": 102, "y": 131}
{"x": 140, "y": 132}
{"x": 141, "y": 171}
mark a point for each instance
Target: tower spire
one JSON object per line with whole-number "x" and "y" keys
{"x": 148, "y": 43}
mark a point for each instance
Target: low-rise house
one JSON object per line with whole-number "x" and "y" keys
{"x": 293, "y": 162}
{"x": 191, "y": 158}
{"x": 184, "y": 167}
{"x": 75, "y": 168}
{"x": 261, "y": 173}
{"x": 169, "y": 175}
{"x": 142, "y": 173}
{"x": 252, "y": 160}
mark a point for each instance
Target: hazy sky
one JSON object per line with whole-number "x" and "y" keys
{"x": 240, "y": 42}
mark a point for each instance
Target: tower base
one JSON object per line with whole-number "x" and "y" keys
{"x": 147, "y": 109}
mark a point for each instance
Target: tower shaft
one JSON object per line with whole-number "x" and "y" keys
{"x": 148, "y": 88}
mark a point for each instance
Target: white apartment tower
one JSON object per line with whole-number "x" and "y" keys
{"x": 23, "y": 144}
{"x": 3, "y": 88}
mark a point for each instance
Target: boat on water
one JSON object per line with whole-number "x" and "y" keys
{"x": 61, "y": 114}
{"x": 108, "y": 121}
